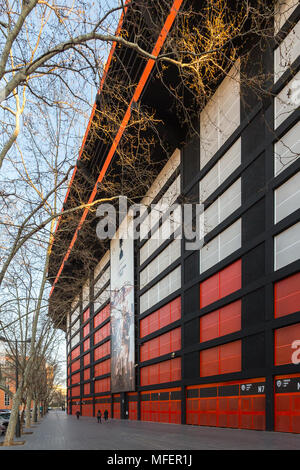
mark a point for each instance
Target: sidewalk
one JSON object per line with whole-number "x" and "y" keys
{"x": 58, "y": 431}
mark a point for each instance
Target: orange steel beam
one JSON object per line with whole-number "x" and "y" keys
{"x": 111, "y": 53}
{"x": 142, "y": 82}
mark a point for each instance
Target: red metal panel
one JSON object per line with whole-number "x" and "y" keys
{"x": 102, "y": 368}
{"x": 102, "y": 316}
{"x": 86, "y": 359}
{"x": 165, "y": 371}
{"x": 164, "y": 344}
{"x": 75, "y": 378}
{"x": 86, "y": 315}
{"x": 102, "y": 333}
{"x": 221, "y": 322}
{"x": 102, "y": 385}
{"x": 231, "y": 279}
{"x": 209, "y": 362}
{"x": 87, "y": 409}
{"x": 102, "y": 351}
{"x": 230, "y": 318}
{"x": 86, "y": 344}
{"x": 75, "y": 366}
{"x": 221, "y": 284}
{"x": 233, "y": 411}
{"x": 287, "y": 296}
{"x": 166, "y": 315}
{"x": 163, "y": 411}
{"x": 75, "y": 353}
{"x": 231, "y": 357}
{"x": 86, "y": 330}
{"x": 287, "y": 409}
{"x": 87, "y": 374}
{"x": 209, "y": 290}
{"x": 75, "y": 391}
{"x": 221, "y": 359}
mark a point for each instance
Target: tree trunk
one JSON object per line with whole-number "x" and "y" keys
{"x": 11, "y": 428}
{"x": 36, "y": 412}
{"x": 27, "y": 411}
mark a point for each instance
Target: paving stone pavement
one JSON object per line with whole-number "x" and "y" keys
{"x": 58, "y": 431}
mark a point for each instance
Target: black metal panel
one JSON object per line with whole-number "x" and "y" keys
{"x": 253, "y": 222}
{"x": 253, "y": 352}
{"x": 191, "y": 332}
{"x": 253, "y": 266}
{"x": 253, "y": 308}
{"x": 254, "y": 179}
{"x": 191, "y": 299}
{"x": 191, "y": 365}
{"x": 190, "y": 161}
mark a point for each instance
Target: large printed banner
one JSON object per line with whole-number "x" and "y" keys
{"x": 122, "y": 313}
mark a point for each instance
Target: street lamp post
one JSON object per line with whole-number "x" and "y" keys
{"x": 18, "y": 427}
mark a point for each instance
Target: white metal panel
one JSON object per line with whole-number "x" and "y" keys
{"x": 230, "y": 200}
{"x": 230, "y": 239}
{"x": 287, "y": 101}
{"x": 282, "y": 11}
{"x": 209, "y": 255}
{"x": 287, "y": 246}
{"x": 221, "y": 116}
{"x": 287, "y": 52}
{"x": 287, "y": 198}
{"x": 287, "y": 149}
{"x": 230, "y": 161}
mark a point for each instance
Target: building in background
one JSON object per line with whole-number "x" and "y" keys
{"x": 203, "y": 336}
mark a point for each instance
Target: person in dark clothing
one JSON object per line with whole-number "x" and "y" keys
{"x": 99, "y": 416}
{"x": 106, "y": 415}
{"x": 77, "y": 414}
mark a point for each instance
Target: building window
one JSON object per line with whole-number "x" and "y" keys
{"x": 6, "y": 399}
{"x": 287, "y": 198}
{"x": 287, "y": 246}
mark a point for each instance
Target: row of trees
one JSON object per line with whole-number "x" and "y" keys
{"x": 42, "y": 389}
{"x": 51, "y": 66}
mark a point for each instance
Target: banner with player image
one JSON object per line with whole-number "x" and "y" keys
{"x": 122, "y": 313}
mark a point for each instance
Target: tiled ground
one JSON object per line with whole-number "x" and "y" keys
{"x": 58, "y": 431}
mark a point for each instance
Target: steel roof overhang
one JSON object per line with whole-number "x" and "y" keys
{"x": 138, "y": 91}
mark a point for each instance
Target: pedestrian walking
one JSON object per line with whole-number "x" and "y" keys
{"x": 99, "y": 416}
{"x": 77, "y": 414}
{"x": 106, "y": 415}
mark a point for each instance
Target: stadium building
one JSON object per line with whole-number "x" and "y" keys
{"x": 203, "y": 335}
